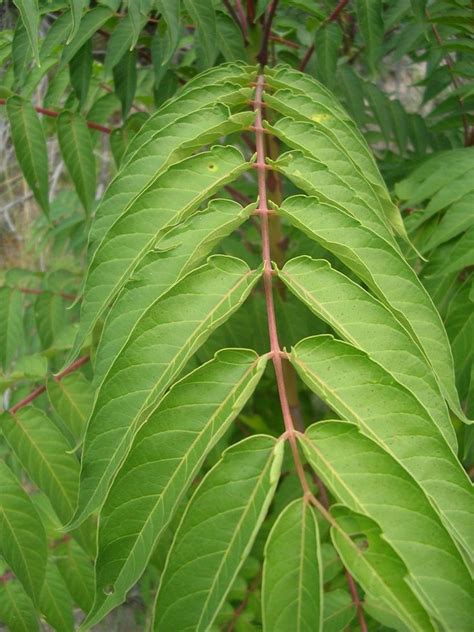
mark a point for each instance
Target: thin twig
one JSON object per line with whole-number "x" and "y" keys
{"x": 275, "y": 349}
{"x": 53, "y": 113}
{"x": 41, "y": 389}
{"x": 331, "y": 18}
{"x": 239, "y": 19}
{"x": 262, "y": 56}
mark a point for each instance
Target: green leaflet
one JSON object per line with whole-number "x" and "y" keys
{"x": 163, "y": 340}
{"x": 304, "y": 99}
{"x": 366, "y": 323}
{"x": 458, "y": 218}
{"x": 50, "y": 317}
{"x": 77, "y": 8}
{"x": 369, "y": 16}
{"x": 215, "y": 536}
{"x": 361, "y": 391}
{"x": 460, "y": 328}
{"x": 229, "y": 38}
{"x": 292, "y": 588}
{"x": 445, "y": 182}
{"x": 172, "y": 198}
{"x": 223, "y": 84}
{"x": 170, "y": 14}
{"x": 30, "y": 147}
{"x": 55, "y": 36}
{"x": 16, "y": 608}
{"x": 203, "y": 15}
{"x": 305, "y": 136}
{"x": 314, "y": 178}
{"x": 44, "y": 453}
{"x": 164, "y": 459}
{"x": 72, "y": 398}
{"x": 180, "y": 250}
{"x": 11, "y": 331}
{"x": 77, "y": 572}
{"x": 379, "y": 570}
{"x": 118, "y": 44}
{"x": 339, "y": 610}
{"x": 171, "y": 143}
{"x": 308, "y": 100}
{"x": 90, "y": 23}
{"x": 22, "y": 537}
{"x": 438, "y": 179}
{"x": 78, "y": 153}
{"x": 30, "y": 17}
{"x": 125, "y": 80}
{"x": 55, "y": 601}
{"x": 389, "y": 276}
{"x": 370, "y": 481}
{"x": 328, "y": 41}
{"x": 80, "y": 71}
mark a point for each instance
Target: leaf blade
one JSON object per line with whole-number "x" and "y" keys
{"x": 246, "y": 502}
{"x": 30, "y": 147}
{"x": 165, "y": 457}
{"x": 164, "y": 344}
{"x": 292, "y": 597}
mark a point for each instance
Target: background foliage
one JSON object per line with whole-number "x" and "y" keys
{"x": 79, "y": 80}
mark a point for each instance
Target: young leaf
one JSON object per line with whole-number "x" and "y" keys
{"x": 165, "y": 458}
{"x": 22, "y": 536}
{"x": 369, "y": 16}
{"x": 361, "y": 391}
{"x": 352, "y": 466}
{"x": 30, "y": 147}
{"x": 292, "y": 589}
{"x": 387, "y": 274}
{"x": 366, "y": 323}
{"x": 29, "y": 12}
{"x": 163, "y": 339}
{"x": 16, "y": 608}
{"x": 379, "y": 570}
{"x": 215, "y": 536}
{"x": 43, "y": 452}
{"x": 78, "y": 153}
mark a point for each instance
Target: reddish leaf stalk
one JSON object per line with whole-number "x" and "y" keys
{"x": 276, "y": 352}
{"x": 29, "y": 290}
{"x": 54, "y": 114}
{"x": 275, "y": 349}
{"x": 41, "y": 389}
